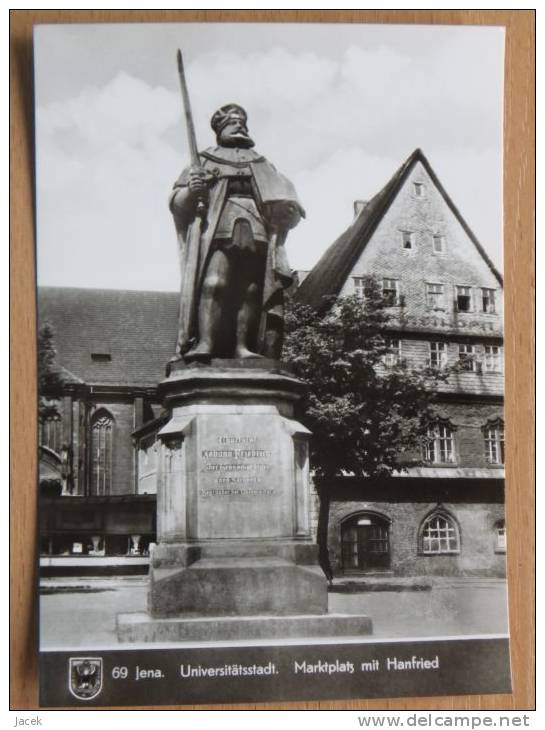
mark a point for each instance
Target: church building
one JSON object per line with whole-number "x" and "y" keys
{"x": 98, "y": 446}
{"x": 97, "y": 499}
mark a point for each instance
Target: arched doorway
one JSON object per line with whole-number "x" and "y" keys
{"x": 365, "y": 539}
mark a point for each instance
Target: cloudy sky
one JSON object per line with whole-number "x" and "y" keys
{"x": 336, "y": 108}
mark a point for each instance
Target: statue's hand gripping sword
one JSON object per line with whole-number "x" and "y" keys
{"x": 191, "y": 138}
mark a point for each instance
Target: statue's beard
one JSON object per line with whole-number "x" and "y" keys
{"x": 240, "y": 139}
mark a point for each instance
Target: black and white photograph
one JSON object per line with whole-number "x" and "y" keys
{"x": 270, "y": 361}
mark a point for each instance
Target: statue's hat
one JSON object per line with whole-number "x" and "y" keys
{"x": 225, "y": 114}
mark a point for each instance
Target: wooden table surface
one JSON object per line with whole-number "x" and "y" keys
{"x": 519, "y": 258}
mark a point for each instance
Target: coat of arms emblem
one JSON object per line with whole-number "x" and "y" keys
{"x": 85, "y": 677}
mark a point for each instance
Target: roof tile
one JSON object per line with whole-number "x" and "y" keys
{"x": 138, "y": 329}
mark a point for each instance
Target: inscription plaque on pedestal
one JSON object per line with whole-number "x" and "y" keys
{"x": 242, "y": 491}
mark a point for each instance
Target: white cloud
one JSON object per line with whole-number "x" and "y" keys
{"x": 338, "y": 128}
{"x": 104, "y": 172}
{"x": 124, "y": 109}
{"x": 271, "y": 80}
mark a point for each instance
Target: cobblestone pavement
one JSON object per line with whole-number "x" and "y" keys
{"x": 82, "y": 612}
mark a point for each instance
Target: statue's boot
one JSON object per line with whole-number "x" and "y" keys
{"x": 244, "y": 354}
{"x": 247, "y": 320}
{"x": 211, "y": 309}
{"x": 201, "y": 352}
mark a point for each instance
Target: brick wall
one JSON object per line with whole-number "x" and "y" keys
{"x": 469, "y": 437}
{"x": 476, "y": 523}
{"x": 468, "y": 420}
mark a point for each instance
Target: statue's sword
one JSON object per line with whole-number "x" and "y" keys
{"x": 191, "y": 138}
{"x": 191, "y": 265}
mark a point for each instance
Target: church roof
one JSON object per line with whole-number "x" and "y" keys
{"x": 334, "y": 267}
{"x": 110, "y": 336}
{"x": 65, "y": 375}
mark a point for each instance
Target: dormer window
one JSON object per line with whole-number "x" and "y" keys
{"x": 407, "y": 240}
{"x": 101, "y": 357}
{"x": 100, "y": 350}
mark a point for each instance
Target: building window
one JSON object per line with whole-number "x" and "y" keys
{"x": 418, "y": 189}
{"x": 101, "y": 357}
{"x": 101, "y": 453}
{"x": 493, "y": 359}
{"x": 51, "y": 431}
{"x": 501, "y": 538}
{"x": 390, "y": 292}
{"x": 439, "y": 448}
{"x": 439, "y": 244}
{"x": 359, "y": 286}
{"x": 463, "y": 299}
{"x": 489, "y": 301}
{"x": 466, "y": 357}
{"x": 393, "y": 356}
{"x": 439, "y": 535}
{"x": 438, "y": 357}
{"x": 435, "y": 296}
{"x": 408, "y": 240}
{"x": 494, "y": 442}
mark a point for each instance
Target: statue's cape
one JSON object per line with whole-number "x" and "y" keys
{"x": 195, "y": 236}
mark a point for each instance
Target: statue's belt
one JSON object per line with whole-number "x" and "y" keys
{"x": 229, "y": 162}
{"x": 240, "y": 186}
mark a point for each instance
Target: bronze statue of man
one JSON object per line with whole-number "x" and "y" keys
{"x": 232, "y": 216}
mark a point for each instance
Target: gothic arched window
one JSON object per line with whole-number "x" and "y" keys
{"x": 439, "y": 534}
{"x": 51, "y": 430}
{"x": 102, "y": 427}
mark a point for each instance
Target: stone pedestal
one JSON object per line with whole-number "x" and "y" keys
{"x": 233, "y": 510}
{"x": 239, "y": 579}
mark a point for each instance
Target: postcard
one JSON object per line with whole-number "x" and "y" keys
{"x": 270, "y": 331}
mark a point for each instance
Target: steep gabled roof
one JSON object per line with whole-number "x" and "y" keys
{"x": 135, "y": 329}
{"x": 334, "y": 267}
